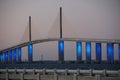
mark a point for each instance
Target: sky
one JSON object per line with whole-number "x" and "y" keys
{"x": 97, "y": 19}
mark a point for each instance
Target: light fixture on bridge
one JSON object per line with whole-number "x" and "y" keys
{"x": 98, "y": 52}
{"x": 110, "y": 53}
{"x": 10, "y": 55}
{"x": 19, "y": 54}
{"x": 88, "y": 51}
{"x": 30, "y": 52}
{"x": 14, "y": 53}
{"x": 0, "y": 57}
{"x": 61, "y": 50}
{"x": 6, "y": 56}
{"x": 119, "y": 52}
{"x": 79, "y": 51}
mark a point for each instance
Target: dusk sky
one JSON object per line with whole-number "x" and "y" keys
{"x": 99, "y": 19}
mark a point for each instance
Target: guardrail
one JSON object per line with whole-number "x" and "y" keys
{"x": 57, "y": 74}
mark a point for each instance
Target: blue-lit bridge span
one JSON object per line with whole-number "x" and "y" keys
{"x": 13, "y": 54}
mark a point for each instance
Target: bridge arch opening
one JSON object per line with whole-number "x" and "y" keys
{"x": 69, "y": 51}
{"x": 45, "y": 51}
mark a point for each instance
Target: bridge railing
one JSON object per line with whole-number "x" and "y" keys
{"x": 57, "y": 74}
{"x": 13, "y": 54}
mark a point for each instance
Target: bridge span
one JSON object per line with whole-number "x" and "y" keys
{"x": 9, "y": 54}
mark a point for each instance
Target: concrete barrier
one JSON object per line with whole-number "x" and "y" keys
{"x": 54, "y": 74}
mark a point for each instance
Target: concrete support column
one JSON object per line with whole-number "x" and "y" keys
{"x": 98, "y": 52}
{"x": 6, "y": 76}
{"x": 78, "y": 71}
{"x": 44, "y": 71}
{"x": 14, "y": 55}
{"x": 24, "y": 71}
{"x": 22, "y": 76}
{"x": 119, "y": 73}
{"x": 66, "y": 72}
{"x": 97, "y": 77}
{"x": 55, "y": 77}
{"x": 119, "y": 52}
{"x": 11, "y": 56}
{"x": 79, "y": 51}
{"x": 19, "y": 54}
{"x": 91, "y": 71}
{"x": 55, "y": 71}
{"x": 104, "y": 72}
{"x": 75, "y": 77}
{"x": 61, "y": 50}
{"x": 2, "y": 58}
{"x": 30, "y": 52}
{"x": 38, "y": 76}
{"x": 110, "y": 53}
{"x": 33, "y": 71}
{"x": 88, "y": 52}
{"x": 15, "y": 71}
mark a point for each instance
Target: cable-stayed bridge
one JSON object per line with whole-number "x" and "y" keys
{"x": 11, "y": 59}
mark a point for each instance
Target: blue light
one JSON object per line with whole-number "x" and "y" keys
{"x": 10, "y": 55}
{"x": 30, "y": 52}
{"x": 98, "y": 52}
{"x": 61, "y": 50}
{"x": 3, "y": 57}
{"x": 14, "y": 55}
{"x": 6, "y": 56}
{"x": 19, "y": 54}
{"x": 119, "y": 51}
{"x": 79, "y": 51}
{"x": 88, "y": 51}
{"x": 62, "y": 46}
{"x": 110, "y": 53}
{"x": 0, "y": 57}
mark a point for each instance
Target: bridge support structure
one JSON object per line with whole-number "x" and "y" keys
{"x": 61, "y": 50}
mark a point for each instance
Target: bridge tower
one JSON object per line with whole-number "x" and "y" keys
{"x": 30, "y": 46}
{"x": 61, "y": 42}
